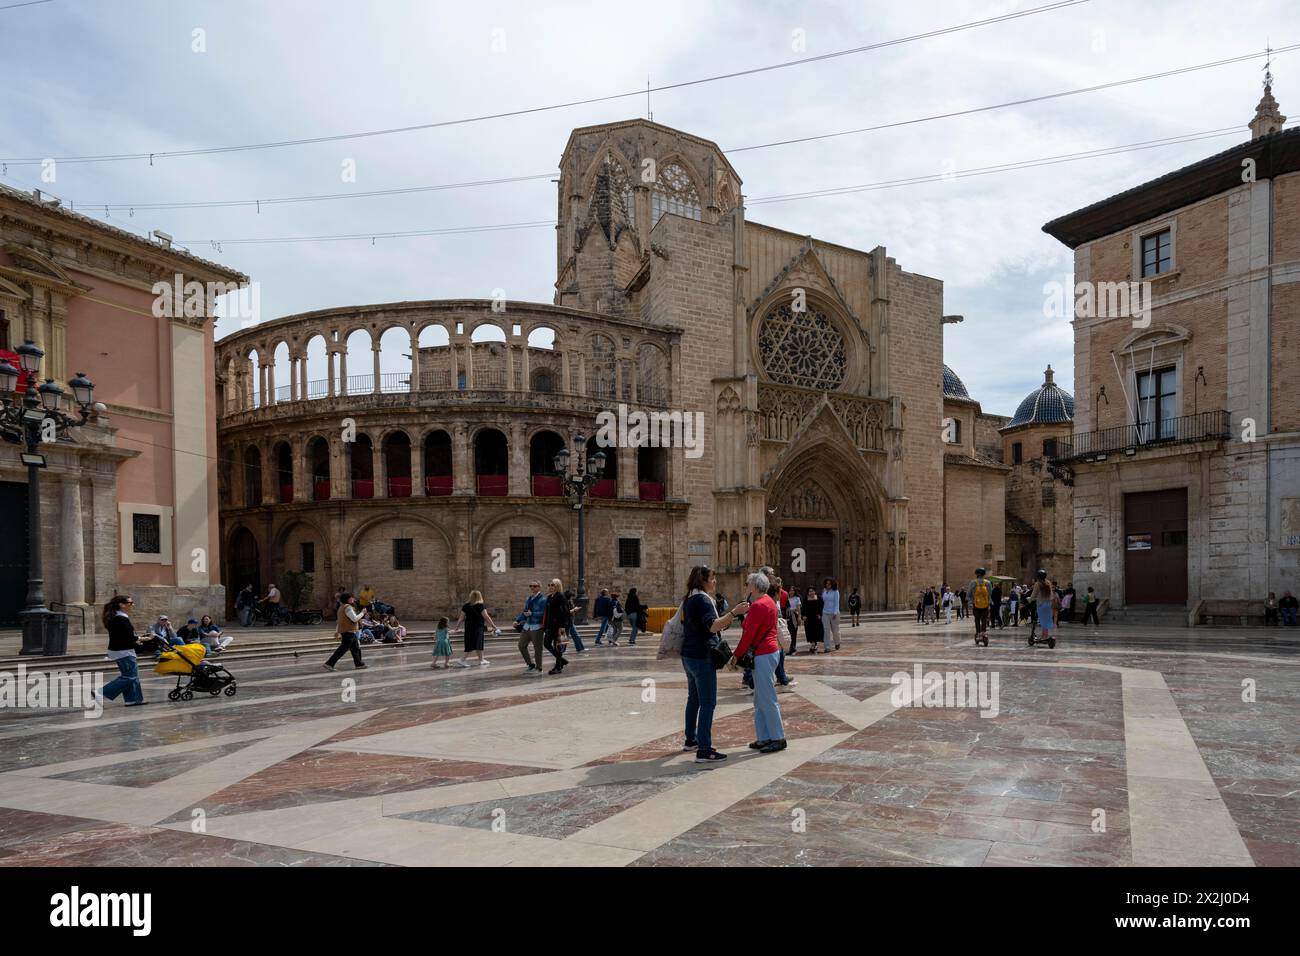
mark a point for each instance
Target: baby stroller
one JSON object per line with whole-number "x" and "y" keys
{"x": 193, "y": 673}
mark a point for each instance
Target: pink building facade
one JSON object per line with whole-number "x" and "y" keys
{"x": 129, "y": 501}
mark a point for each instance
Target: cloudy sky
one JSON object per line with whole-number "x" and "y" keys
{"x": 99, "y": 77}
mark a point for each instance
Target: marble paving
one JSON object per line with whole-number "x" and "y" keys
{"x": 1158, "y": 748}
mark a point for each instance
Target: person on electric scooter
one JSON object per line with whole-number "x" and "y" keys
{"x": 981, "y": 599}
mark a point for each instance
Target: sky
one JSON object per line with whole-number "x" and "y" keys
{"x": 105, "y": 77}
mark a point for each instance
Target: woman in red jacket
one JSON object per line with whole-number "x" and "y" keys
{"x": 759, "y": 633}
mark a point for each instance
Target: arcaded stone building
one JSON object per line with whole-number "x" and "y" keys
{"x": 816, "y": 367}
{"x": 1186, "y": 447}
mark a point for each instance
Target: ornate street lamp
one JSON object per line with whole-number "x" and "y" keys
{"x": 29, "y": 420}
{"x": 576, "y": 488}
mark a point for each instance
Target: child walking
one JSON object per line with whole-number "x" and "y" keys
{"x": 442, "y": 647}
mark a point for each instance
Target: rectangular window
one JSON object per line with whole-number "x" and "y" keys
{"x": 403, "y": 554}
{"x": 521, "y": 553}
{"x": 1157, "y": 404}
{"x": 1017, "y": 453}
{"x": 146, "y": 532}
{"x": 629, "y": 552}
{"x": 1157, "y": 253}
{"x": 308, "y": 552}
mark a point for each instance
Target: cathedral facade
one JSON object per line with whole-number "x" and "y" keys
{"x": 815, "y": 369}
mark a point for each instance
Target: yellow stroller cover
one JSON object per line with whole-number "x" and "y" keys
{"x": 180, "y": 660}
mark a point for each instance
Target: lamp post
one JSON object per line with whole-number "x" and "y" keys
{"x": 29, "y": 420}
{"x": 576, "y": 488}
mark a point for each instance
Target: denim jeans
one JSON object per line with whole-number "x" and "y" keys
{"x": 604, "y": 623}
{"x": 780, "y": 670}
{"x": 767, "y": 712}
{"x": 701, "y": 700}
{"x": 632, "y": 619}
{"x": 126, "y": 683}
{"x": 1288, "y": 616}
{"x": 577, "y": 641}
{"x": 245, "y": 616}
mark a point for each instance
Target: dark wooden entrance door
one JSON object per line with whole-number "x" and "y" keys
{"x": 818, "y": 546}
{"x": 245, "y": 567}
{"x": 13, "y": 556}
{"x": 1155, "y": 547}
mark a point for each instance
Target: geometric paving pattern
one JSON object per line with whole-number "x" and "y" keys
{"x": 487, "y": 767}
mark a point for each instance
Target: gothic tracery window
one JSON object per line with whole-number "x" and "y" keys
{"x": 802, "y": 348}
{"x": 620, "y": 188}
{"x": 675, "y": 193}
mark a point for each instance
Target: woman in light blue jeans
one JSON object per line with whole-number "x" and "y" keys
{"x": 759, "y": 633}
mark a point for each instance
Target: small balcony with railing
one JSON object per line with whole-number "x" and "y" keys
{"x": 1129, "y": 441}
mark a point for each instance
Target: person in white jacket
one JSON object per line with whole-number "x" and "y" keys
{"x": 947, "y": 604}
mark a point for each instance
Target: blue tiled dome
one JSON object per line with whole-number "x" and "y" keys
{"x": 1049, "y": 404}
{"x": 952, "y": 385}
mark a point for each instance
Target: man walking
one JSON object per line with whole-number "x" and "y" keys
{"x": 602, "y": 611}
{"x": 531, "y": 619}
{"x": 1090, "y": 603}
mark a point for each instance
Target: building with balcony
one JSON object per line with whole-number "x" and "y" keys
{"x": 1185, "y": 454}
{"x": 129, "y": 501}
{"x": 815, "y": 368}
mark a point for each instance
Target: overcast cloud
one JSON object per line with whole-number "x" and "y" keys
{"x": 121, "y": 76}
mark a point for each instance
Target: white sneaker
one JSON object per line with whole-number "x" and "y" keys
{"x": 749, "y": 691}
{"x": 462, "y": 663}
{"x": 484, "y": 663}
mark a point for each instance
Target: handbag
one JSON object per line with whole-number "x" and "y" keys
{"x": 720, "y": 652}
{"x": 670, "y": 642}
{"x": 783, "y": 634}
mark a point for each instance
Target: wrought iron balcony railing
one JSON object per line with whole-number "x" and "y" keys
{"x": 1131, "y": 439}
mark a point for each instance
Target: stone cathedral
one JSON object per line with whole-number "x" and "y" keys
{"x": 818, "y": 369}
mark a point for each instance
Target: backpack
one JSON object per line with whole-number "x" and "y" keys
{"x": 981, "y": 596}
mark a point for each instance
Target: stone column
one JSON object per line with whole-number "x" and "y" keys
{"x": 340, "y": 469}
{"x": 270, "y": 476}
{"x": 343, "y": 372}
{"x": 270, "y": 384}
{"x": 329, "y": 372}
{"x": 72, "y": 542}
{"x": 518, "y": 451}
{"x": 374, "y": 349}
{"x": 462, "y": 460}
{"x": 379, "y": 468}
{"x": 301, "y": 474}
{"x": 417, "y": 466}
{"x": 415, "y": 361}
{"x": 627, "y": 486}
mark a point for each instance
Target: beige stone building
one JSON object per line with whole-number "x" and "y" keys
{"x": 815, "y": 367}
{"x": 1186, "y": 447}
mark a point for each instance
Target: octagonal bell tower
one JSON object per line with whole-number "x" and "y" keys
{"x": 617, "y": 181}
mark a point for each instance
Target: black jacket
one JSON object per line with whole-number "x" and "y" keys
{"x": 121, "y": 633}
{"x": 556, "y": 616}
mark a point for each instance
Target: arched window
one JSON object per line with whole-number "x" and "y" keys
{"x": 492, "y": 463}
{"x": 252, "y": 477}
{"x": 397, "y": 464}
{"x": 318, "y": 460}
{"x": 651, "y": 376}
{"x": 600, "y": 368}
{"x": 802, "y": 348}
{"x": 542, "y": 450}
{"x": 361, "y": 452}
{"x": 284, "y": 472}
{"x": 437, "y": 464}
{"x": 607, "y": 485}
{"x": 675, "y": 193}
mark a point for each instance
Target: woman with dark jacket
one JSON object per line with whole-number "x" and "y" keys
{"x": 814, "y": 631}
{"x": 633, "y": 607}
{"x": 555, "y": 622}
{"x": 701, "y": 623}
{"x": 121, "y": 650}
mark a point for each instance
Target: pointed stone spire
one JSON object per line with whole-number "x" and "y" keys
{"x": 1268, "y": 118}
{"x": 1047, "y": 377}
